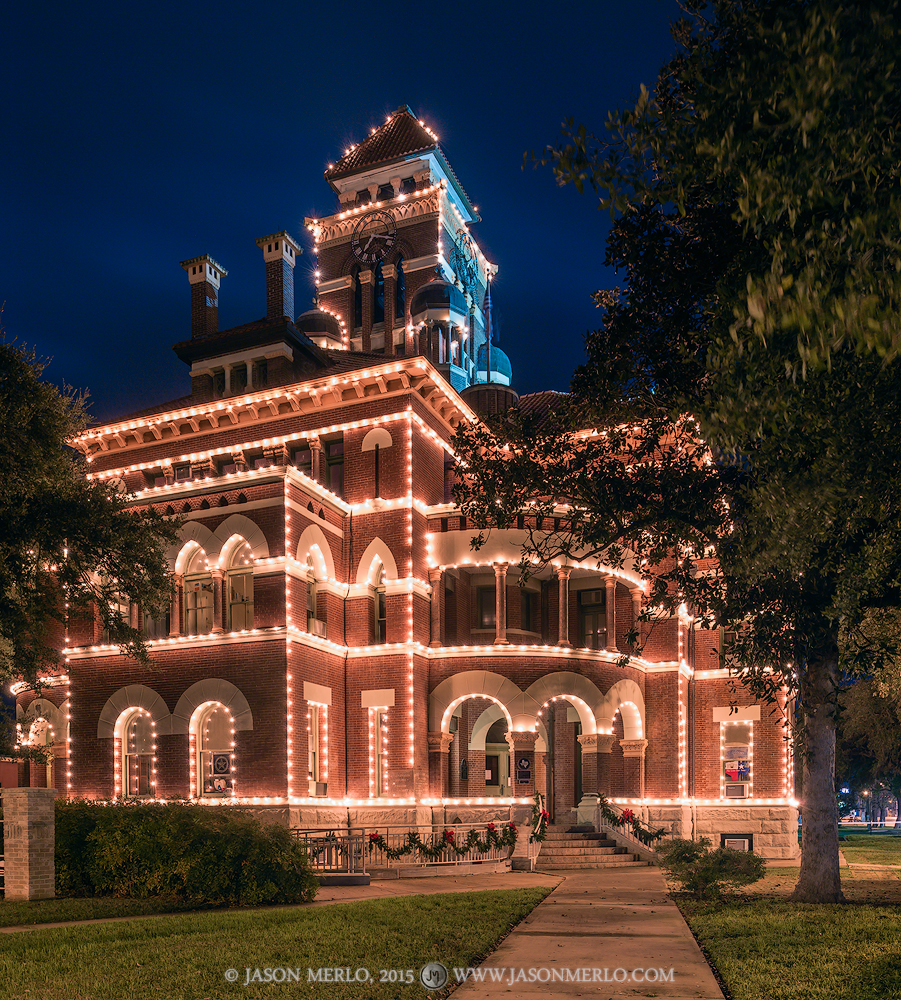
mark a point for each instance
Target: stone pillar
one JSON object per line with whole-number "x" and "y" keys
{"x": 435, "y": 579}
{"x": 365, "y": 278}
{"x": 522, "y": 749}
{"x": 316, "y": 459}
{"x": 637, "y": 599}
{"x": 500, "y": 606}
{"x": 218, "y": 579}
{"x": 278, "y": 455}
{"x": 605, "y": 743}
{"x": 239, "y": 460}
{"x": 563, "y": 573}
{"x": 29, "y": 842}
{"x": 611, "y": 614}
{"x": 439, "y": 768}
{"x": 633, "y": 767}
{"x": 389, "y": 273}
{"x": 175, "y": 611}
{"x": 589, "y": 744}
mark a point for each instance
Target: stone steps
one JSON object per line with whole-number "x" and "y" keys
{"x": 570, "y": 847}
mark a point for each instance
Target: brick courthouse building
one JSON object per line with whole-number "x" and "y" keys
{"x": 335, "y": 653}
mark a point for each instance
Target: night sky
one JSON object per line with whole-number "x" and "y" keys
{"x": 139, "y": 135}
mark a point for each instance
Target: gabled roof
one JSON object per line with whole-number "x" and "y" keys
{"x": 541, "y": 407}
{"x": 401, "y": 136}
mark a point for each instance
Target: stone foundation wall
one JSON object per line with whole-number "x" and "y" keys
{"x": 773, "y": 828}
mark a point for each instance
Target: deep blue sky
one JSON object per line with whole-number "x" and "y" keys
{"x": 138, "y": 135}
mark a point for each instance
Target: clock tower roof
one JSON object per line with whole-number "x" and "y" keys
{"x": 402, "y": 138}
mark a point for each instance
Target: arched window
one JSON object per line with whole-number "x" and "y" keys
{"x": 378, "y": 295}
{"x": 138, "y": 771}
{"x": 358, "y": 297}
{"x": 198, "y": 594}
{"x": 215, "y": 737}
{"x": 314, "y": 624}
{"x": 400, "y": 293}
{"x": 240, "y": 588}
{"x": 379, "y": 610}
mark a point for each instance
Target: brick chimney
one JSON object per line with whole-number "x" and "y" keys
{"x": 205, "y": 274}
{"x": 280, "y": 253}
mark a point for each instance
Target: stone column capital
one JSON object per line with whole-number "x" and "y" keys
{"x": 633, "y": 748}
{"x": 521, "y": 740}
{"x": 589, "y": 742}
{"x": 563, "y": 572}
{"x": 435, "y": 574}
{"x": 439, "y": 742}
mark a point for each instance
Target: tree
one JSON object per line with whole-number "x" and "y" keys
{"x": 742, "y": 381}
{"x": 69, "y": 546}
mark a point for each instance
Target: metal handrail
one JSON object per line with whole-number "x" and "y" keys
{"x": 349, "y": 852}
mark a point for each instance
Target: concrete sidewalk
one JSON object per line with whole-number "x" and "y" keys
{"x": 617, "y": 922}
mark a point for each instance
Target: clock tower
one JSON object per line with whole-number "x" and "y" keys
{"x": 397, "y": 264}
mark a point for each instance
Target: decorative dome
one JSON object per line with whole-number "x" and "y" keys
{"x": 500, "y": 365}
{"x": 438, "y": 302}
{"x": 317, "y": 323}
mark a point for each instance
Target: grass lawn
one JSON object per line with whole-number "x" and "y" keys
{"x": 768, "y": 949}
{"x": 872, "y": 849}
{"x": 186, "y": 956}
{"x": 50, "y": 911}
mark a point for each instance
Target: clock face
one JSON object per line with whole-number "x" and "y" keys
{"x": 374, "y": 237}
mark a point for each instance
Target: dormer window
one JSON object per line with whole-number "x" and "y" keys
{"x": 239, "y": 378}
{"x": 364, "y": 197}
{"x": 386, "y": 192}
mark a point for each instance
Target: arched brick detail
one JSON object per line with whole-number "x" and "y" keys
{"x": 472, "y": 683}
{"x": 134, "y": 696}
{"x": 625, "y": 696}
{"x": 565, "y": 682}
{"x": 211, "y": 689}
{"x": 239, "y": 524}
{"x": 313, "y": 542}
{"x": 376, "y": 552}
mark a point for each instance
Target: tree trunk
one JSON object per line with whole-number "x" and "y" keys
{"x": 819, "y": 881}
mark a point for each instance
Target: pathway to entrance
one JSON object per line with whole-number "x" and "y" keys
{"x": 616, "y": 921}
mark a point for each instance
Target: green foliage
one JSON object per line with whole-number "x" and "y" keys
{"x": 194, "y": 853}
{"x": 743, "y": 382}
{"x": 446, "y": 842}
{"x": 540, "y": 818}
{"x": 627, "y": 817}
{"x": 67, "y": 544}
{"x": 706, "y": 873}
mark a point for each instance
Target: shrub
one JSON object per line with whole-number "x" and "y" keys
{"x": 708, "y": 873}
{"x": 195, "y": 853}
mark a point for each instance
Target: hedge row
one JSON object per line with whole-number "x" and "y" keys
{"x": 200, "y": 854}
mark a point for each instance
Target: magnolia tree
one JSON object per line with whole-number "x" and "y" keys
{"x": 732, "y": 429}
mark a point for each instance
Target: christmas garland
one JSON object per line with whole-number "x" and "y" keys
{"x": 494, "y": 839}
{"x": 628, "y": 818}
{"x": 540, "y": 817}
